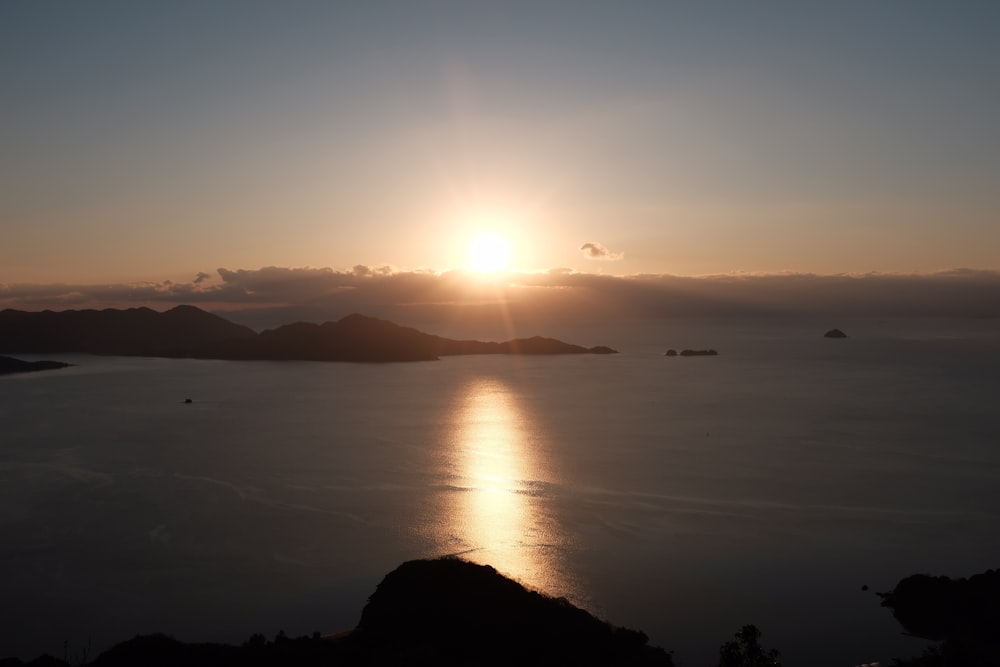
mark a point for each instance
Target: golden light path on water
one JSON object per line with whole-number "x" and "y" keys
{"x": 495, "y": 510}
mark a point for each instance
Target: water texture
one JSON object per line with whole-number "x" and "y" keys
{"x": 685, "y": 497}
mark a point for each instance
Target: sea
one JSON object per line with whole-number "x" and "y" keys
{"x": 782, "y": 483}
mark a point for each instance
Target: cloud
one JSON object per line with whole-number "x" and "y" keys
{"x": 594, "y": 250}
{"x": 62, "y": 295}
{"x": 362, "y": 270}
{"x": 201, "y": 277}
{"x": 534, "y": 302}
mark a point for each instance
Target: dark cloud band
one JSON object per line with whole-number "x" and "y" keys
{"x": 324, "y": 293}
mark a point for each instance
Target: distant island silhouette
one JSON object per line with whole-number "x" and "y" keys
{"x": 834, "y": 333}
{"x": 189, "y": 332}
{"x": 691, "y": 353}
{"x": 10, "y": 365}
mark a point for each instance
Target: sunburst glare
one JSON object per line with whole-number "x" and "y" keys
{"x": 489, "y": 252}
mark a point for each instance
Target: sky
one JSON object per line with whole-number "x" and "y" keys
{"x": 172, "y": 149}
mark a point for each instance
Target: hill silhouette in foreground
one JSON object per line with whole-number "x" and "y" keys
{"x": 453, "y": 612}
{"x": 186, "y": 331}
{"x": 426, "y": 612}
{"x": 962, "y": 614}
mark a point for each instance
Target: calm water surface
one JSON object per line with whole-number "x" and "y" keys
{"x": 685, "y": 497}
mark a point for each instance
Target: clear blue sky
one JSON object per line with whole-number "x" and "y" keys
{"x": 146, "y": 141}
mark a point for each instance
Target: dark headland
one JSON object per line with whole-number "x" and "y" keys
{"x": 425, "y": 612}
{"x": 186, "y": 331}
{"x": 10, "y": 365}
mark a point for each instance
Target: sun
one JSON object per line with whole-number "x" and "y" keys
{"x": 489, "y": 253}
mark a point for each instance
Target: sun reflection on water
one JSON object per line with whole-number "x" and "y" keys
{"x": 497, "y": 504}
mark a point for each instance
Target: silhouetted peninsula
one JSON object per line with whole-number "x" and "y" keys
{"x": 834, "y": 333}
{"x": 186, "y": 331}
{"x": 361, "y": 338}
{"x": 425, "y": 612}
{"x": 9, "y": 365}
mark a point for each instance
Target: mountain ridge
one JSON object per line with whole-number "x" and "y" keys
{"x": 189, "y": 332}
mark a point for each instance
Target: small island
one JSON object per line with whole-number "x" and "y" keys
{"x": 834, "y": 333}
{"x": 10, "y": 365}
{"x": 691, "y": 353}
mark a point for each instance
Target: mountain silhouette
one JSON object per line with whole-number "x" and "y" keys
{"x": 136, "y": 331}
{"x": 187, "y": 331}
